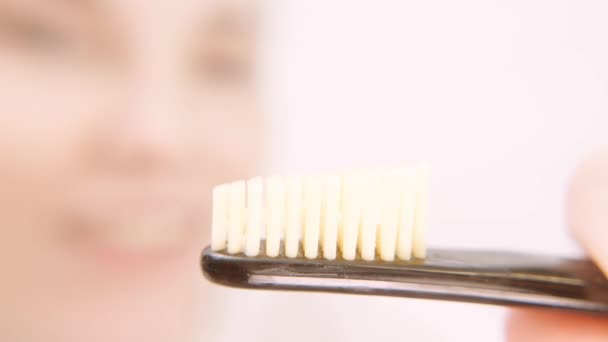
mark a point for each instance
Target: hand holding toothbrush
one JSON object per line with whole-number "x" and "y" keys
{"x": 588, "y": 218}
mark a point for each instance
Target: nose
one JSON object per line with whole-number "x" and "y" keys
{"x": 147, "y": 134}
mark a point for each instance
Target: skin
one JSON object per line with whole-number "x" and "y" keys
{"x": 588, "y": 218}
{"x": 118, "y": 117}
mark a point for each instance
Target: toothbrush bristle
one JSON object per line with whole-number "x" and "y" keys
{"x": 373, "y": 215}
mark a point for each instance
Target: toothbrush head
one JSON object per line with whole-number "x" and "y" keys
{"x": 376, "y": 214}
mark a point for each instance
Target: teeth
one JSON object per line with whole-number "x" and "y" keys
{"x": 151, "y": 231}
{"x": 378, "y": 213}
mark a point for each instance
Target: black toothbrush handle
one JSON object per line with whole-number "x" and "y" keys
{"x": 486, "y": 277}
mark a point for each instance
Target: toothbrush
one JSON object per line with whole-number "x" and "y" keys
{"x": 364, "y": 233}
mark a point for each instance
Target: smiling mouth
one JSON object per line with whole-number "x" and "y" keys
{"x": 128, "y": 231}
{"x": 143, "y": 231}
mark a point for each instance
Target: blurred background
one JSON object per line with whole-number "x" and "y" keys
{"x": 502, "y": 98}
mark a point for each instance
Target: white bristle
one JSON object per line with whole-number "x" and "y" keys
{"x": 380, "y": 214}
{"x": 370, "y": 218}
{"x": 331, "y": 216}
{"x": 387, "y": 242}
{"x": 275, "y": 215}
{"x": 255, "y": 188}
{"x": 351, "y": 216}
{"x": 219, "y": 225}
{"x": 421, "y": 217}
{"x": 293, "y": 228}
{"x": 312, "y": 220}
{"x": 236, "y": 217}
{"x": 407, "y": 211}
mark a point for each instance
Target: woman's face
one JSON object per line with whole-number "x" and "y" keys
{"x": 116, "y": 118}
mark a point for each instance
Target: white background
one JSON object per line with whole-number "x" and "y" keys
{"x": 502, "y": 98}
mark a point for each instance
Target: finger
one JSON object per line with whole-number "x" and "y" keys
{"x": 547, "y": 325}
{"x": 588, "y": 207}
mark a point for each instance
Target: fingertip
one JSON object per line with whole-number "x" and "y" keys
{"x": 516, "y": 327}
{"x": 531, "y": 325}
{"x": 587, "y": 207}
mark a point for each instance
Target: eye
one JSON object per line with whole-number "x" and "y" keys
{"x": 223, "y": 69}
{"x": 38, "y": 35}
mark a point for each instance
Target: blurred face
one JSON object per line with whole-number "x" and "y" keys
{"x": 116, "y": 118}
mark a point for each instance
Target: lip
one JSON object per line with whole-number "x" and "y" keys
{"x": 133, "y": 232}
{"x": 116, "y": 258}
{"x": 112, "y": 254}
